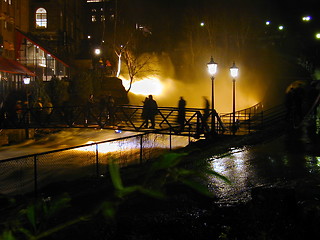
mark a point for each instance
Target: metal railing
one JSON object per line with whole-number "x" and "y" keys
{"x": 30, "y": 173}
{"x": 127, "y": 117}
{"x": 246, "y": 120}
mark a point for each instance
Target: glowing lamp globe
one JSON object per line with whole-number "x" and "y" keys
{"x": 26, "y": 80}
{"x": 212, "y": 67}
{"x": 234, "y": 70}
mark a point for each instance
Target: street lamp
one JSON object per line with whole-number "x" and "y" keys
{"x": 97, "y": 51}
{"x": 234, "y": 73}
{"x": 212, "y": 69}
{"x": 26, "y": 81}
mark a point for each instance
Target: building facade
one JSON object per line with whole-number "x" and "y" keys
{"x": 14, "y": 14}
{"x": 38, "y": 38}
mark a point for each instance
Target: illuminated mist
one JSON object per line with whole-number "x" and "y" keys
{"x": 167, "y": 89}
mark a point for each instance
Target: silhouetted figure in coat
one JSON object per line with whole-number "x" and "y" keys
{"x": 143, "y": 114}
{"x": 111, "y": 109}
{"x": 181, "y": 113}
{"x": 151, "y": 110}
{"x": 206, "y": 109}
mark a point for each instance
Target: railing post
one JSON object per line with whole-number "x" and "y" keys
{"x": 141, "y": 142}
{"x": 35, "y": 175}
{"x": 97, "y": 160}
{"x": 249, "y": 123}
{"x": 170, "y": 140}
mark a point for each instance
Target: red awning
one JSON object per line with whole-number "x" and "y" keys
{"x": 23, "y": 35}
{"x": 11, "y": 66}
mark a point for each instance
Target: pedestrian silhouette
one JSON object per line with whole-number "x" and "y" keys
{"x": 144, "y": 111}
{"x": 151, "y": 110}
{"x": 89, "y": 108}
{"x": 206, "y": 109}
{"x": 38, "y": 110}
{"x": 181, "y": 113}
{"x": 19, "y": 111}
{"x": 111, "y": 109}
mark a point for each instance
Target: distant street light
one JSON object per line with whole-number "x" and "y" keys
{"x": 212, "y": 69}
{"x": 97, "y": 51}
{"x": 234, "y": 73}
{"x": 306, "y": 18}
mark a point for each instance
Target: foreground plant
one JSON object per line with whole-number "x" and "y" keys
{"x": 46, "y": 217}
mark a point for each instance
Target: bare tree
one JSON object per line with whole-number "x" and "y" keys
{"x": 137, "y": 66}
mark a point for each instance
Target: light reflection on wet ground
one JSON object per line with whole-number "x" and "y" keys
{"x": 278, "y": 163}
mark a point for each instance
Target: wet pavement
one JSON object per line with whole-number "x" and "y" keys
{"x": 290, "y": 161}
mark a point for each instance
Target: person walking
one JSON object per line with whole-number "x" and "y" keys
{"x": 89, "y": 108}
{"x": 151, "y": 108}
{"x": 144, "y": 112}
{"x": 181, "y": 113}
{"x": 19, "y": 112}
{"x": 111, "y": 109}
{"x": 206, "y": 109}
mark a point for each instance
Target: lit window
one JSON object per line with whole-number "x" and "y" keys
{"x": 93, "y": 18}
{"x": 93, "y": 10}
{"x": 103, "y": 18}
{"x": 41, "y": 18}
{"x": 94, "y": 0}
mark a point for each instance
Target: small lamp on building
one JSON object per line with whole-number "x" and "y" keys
{"x": 26, "y": 80}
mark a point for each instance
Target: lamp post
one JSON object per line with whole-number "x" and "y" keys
{"x": 26, "y": 81}
{"x": 212, "y": 69}
{"x": 234, "y": 73}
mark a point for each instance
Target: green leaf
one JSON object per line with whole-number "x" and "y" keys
{"x": 7, "y": 235}
{"x": 31, "y": 215}
{"x": 211, "y": 172}
{"x": 109, "y": 210}
{"x": 186, "y": 172}
{"x": 57, "y": 205}
{"x": 127, "y": 190}
{"x": 114, "y": 171}
{"x": 197, "y": 186}
{"x": 152, "y": 193}
{"x": 167, "y": 161}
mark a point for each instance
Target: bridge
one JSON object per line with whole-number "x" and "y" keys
{"x": 128, "y": 117}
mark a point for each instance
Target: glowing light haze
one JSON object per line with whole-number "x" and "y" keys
{"x": 167, "y": 89}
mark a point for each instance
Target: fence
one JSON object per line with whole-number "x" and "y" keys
{"x": 27, "y": 174}
{"x": 243, "y": 121}
{"x": 124, "y": 116}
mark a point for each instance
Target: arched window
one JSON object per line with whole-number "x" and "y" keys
{"x": 41, "y": 18}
